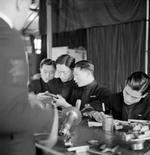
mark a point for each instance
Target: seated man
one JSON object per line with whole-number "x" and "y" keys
{"x": 46, "y": 81}
{"x": 88, "y": 91}
{"x": 133, "y": 102}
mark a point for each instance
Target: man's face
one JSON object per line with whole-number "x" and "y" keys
{"x": 47, "y": 72}
{"x": 131, "y": 96}
{"x": 80, "y": 76}
{"x": 64, "y": 72}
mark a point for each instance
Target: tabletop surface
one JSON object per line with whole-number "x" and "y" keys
{"x": 82, "y": 134}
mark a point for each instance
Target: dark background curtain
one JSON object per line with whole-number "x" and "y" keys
{"x": 112, "y": 31}
{"x": 71, "y": 39}
{"x": 70, "y": 15}
{"x": 116, "y": 51}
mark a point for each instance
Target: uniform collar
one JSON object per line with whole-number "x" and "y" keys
{"x": 90, "y": 85}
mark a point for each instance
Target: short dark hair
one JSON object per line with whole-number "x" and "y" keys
{"x": 67, "y": 60}
{"x": 49, "y": 62}
{"x": 139, "y": 81}
{"x": 86, "y": 65}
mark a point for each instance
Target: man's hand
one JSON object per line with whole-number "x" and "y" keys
{"x": 60, "y": 101}
{"x": 45, "y": 98}
{"x": 42, "y": 96}
{"x": 98, "y": 116}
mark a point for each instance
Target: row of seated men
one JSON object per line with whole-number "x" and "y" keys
{"x": 76, "y": 82}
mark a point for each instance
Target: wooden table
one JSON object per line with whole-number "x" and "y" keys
{"x": 81, "y": 134}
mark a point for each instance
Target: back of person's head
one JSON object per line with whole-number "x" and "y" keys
{"x": 16, "y": 11}
{"x": 85, "y": 65}
{"x": 66, "y": 60}
{"x": 139, "y": 81}
{"x": 48, "y": 62}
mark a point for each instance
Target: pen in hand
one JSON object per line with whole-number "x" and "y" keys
{"x": 103, "y": 107}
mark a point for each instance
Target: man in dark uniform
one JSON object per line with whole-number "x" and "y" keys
{"x": 47, "y": 73}
{"x": 46, "y": 83}
{"x": 61, "y": 86}
{"x": 89, "y": 92}
{"x": 18, "y": 119}
{"x": 133, "y": 102}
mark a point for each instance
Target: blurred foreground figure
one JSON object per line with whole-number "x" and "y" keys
{"x": 19, "y": 119}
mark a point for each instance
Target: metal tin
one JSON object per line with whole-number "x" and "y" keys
{"x": 108, "y": 123}
{"x": 137, "y": 146}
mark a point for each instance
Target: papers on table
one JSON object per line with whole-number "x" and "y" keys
{"x": 94, "y": 124}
